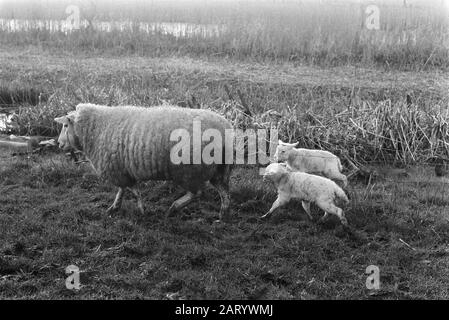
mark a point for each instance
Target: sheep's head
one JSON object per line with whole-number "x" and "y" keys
{"x": 67, "y": 138}
{"x": 283, "y": 150}
{"x": 275, "y": 171}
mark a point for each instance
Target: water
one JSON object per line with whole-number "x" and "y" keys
{"x": 4, "y": 121}
{"x": 175, "y": 29}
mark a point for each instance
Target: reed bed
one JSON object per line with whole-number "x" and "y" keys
{"x": 364, "y": 131}
{"x": 324, "y": 33}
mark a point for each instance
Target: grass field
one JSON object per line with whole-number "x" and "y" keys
{"x": 52, "y": 212}
{"x": 52, "y": 215}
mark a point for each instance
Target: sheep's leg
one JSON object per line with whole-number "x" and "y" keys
{"x": 324, "y": 217}
{"x": 342, "y": 217}
{"x": 138, "y": 197}
{"x": 116, "y": 205}
{"x": 331, "y": 208}
{"x": 344, "y": 180}
{"x": 221, "y": 183}
{"x": 339, "y": 177}
{"x": 225, "y": 200}
{"x": 306, "y": 206}
{"x": 276, "y": 204}
{"x": 181, "y": 202}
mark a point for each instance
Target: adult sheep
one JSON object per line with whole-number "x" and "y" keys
{"x": 129, "y": 144}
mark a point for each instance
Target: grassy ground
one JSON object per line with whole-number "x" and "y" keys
{"x": 52, "y": 215}
{"x": 52, "y": 212}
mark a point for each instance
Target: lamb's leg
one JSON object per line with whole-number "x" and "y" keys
{"x": 344, "y": 180}
{"x": 338, "y": 177}
{"x": 221, "y": 183}
{"x": 342, "y": 217}
{"x": 324, "y": 217}
{"x": 223, "y": 191}
{"x": 181, "y": 202}
{"x": 306, "y": 206}
{"x": 138, "y": 197}
{"x": 341, "y": 178}
{"x": 329, "y": 207}
{"x": 276, "y": 204}
{"x": 116, "y": 205}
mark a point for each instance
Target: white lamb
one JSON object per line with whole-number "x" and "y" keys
{"x": 307, "y": 188}
{"x": 130, "y": 144}
{"x": 318, "y": 162}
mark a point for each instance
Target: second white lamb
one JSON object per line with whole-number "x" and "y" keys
{"x": 307, "y": 188}
{"x": 319, "y": 162}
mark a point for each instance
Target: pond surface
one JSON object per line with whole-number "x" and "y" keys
{"x": 4, "y": 120}
{"x": 176, "y": 29}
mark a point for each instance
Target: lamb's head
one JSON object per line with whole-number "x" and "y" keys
{"x": 67, "y": 138}
{"x": 283, "y": 150}
{"x": 275, "y": 171}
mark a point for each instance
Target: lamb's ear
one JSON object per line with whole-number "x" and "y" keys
{"x": 295, "y": 144}
{"x": 285, "y": 166}
{"x": 281, "y": 142}
{"x": 71, "y": 116}
{"x": 61, "y": 120}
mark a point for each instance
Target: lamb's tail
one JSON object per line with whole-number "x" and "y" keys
{"x": 339, "y": 193}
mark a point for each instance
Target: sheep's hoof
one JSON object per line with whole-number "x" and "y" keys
{"x": 265, "y": 216}
{"x": 112, "y": 210}
{"x": 226, "y": 216}
{"x": 312, "y": 219}
{"x": 321, "y": 222}
{"x": 169, "y": 212}
{"x": 141, "y": 210}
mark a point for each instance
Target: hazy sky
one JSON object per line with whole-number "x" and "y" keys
{"x": 11, "y": 5}
{"x": 130, "y": 2}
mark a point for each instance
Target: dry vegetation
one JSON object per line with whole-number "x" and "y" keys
{"x": 325, "y": 33}
{"x": 361, "y": 121}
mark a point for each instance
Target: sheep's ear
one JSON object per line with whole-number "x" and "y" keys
{"x": 71, "y": 116}
{"x": 295, "y": 144}
{"x": 281, "y": 142}
{"x": 61, "y": 120}
{"x": 284, "y": 165}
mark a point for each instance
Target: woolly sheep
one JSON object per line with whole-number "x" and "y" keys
{"x": 319, "y": 162}
{"x": 307, "y": 188}
{"x": 128, "y": 144}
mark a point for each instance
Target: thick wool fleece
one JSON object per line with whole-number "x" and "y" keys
{"x": 131, "y": 144}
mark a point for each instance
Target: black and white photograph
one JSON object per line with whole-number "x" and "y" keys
{"x": 216, "y": 150}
